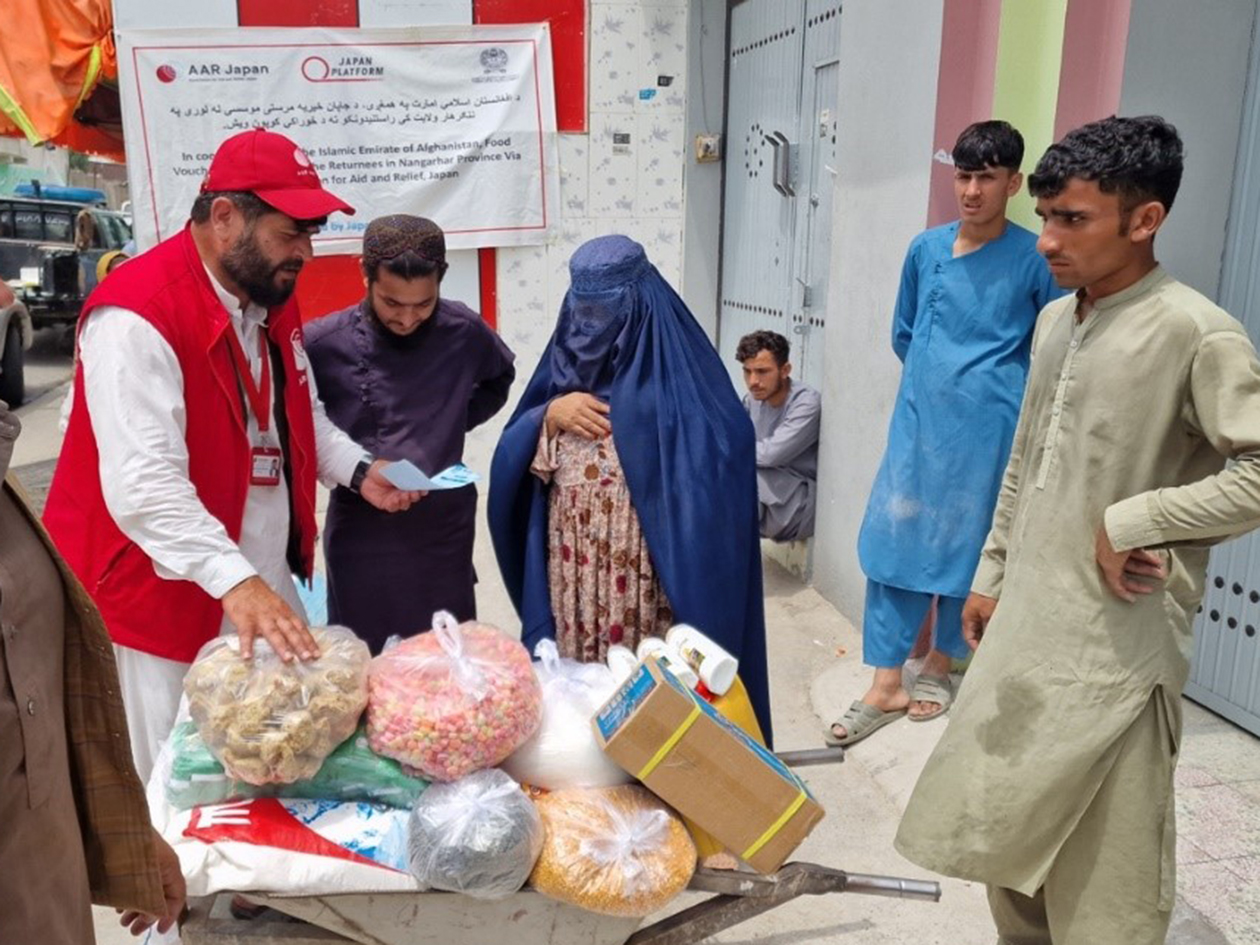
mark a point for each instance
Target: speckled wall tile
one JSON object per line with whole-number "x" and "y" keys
{"x": 664, "y": 57}
{"x": 617, "y": 52}
{"x": 574, "y": 175}
{"x": 524, "y": 321}
{"x": 614, "y": 152}
{"x": 661, "y": 157}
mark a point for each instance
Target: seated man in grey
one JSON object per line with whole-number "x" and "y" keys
{"x": 785, "y": 415}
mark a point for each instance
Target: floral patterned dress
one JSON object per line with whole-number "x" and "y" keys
{"x": 604, "y": 589}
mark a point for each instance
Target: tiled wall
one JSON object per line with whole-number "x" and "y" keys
{"x": 609, "y": 184}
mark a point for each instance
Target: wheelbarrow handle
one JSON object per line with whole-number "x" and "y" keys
{"x": 811, "y": 756}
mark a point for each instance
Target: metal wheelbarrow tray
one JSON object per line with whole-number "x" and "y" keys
{"x": 527, "y": 918}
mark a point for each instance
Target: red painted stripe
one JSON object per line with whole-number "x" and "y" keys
{"x": 487, "y": 262}
{"x": 297, "y": 12}
{"x": 964, "y": 90}
{"x": 1095, "y": 37}
{"x": 568, "y": 47}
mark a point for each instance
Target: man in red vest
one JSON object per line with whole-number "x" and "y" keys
{"x": 184, "y": 499}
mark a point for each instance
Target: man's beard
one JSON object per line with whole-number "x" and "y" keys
{"x": 254, "y": 273}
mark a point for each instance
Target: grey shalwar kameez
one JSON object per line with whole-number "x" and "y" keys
{"x": 787, "y": 461}
{"x": 1054, "y": 777}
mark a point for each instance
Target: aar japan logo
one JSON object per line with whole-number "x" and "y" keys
{"x": 166, "y": 73}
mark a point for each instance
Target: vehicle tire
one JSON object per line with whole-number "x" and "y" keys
{"x": 12, "y": 368}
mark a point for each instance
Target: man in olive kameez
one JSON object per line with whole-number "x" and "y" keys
{"x": 1054, "y": 782}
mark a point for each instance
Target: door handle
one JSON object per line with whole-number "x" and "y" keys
{"x": 776, "y": 162}
{"x": 782, "y": 163}
{"x": 784, "y": 153}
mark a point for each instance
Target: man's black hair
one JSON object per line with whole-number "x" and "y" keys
{"x": 250, "y": 206}
{"x": 1141, "y": 159}
{"x": 989, "y": 144}
{"x": 407, "y": 265}
{"x": 753, "y": 344}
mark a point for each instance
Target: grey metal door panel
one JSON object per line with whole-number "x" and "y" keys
{"x": 820, "y": 94}
{"x": 1225, "y": 673}
{"x": 763, "y": 103}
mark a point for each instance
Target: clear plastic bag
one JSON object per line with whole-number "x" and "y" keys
{"x": 452, "y": 701}
{"x": 272, "y": 722}
{"x": 564, "y": 753}
{"x": 353, "y": 772}
{"x": 479, "y": 836}
{"x": 617, "y": 851}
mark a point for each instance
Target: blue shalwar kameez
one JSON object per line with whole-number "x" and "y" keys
{"x": 962, "y": 330}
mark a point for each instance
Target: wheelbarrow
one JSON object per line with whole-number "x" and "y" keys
{"x": 724, "y": 898}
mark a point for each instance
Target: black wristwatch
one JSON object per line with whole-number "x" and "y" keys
{"x": 360, "y": 473}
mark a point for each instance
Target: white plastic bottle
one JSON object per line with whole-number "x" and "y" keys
{"x": 715, "y": 667}
{"x": 622, "y": 662}
{"x": 655, "y": 646}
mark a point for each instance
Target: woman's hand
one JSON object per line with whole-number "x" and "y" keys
{"x": 579, "y": 413}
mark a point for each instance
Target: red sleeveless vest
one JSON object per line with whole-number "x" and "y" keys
{"x": 169, "y": 287}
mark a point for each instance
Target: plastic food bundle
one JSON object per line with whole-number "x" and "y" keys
{"x": 353, "y": 772}
{"x": 563, "y": 753}
{"x": 453, "y": 701}
{"x": 271, "y": 722}
{"x": 617, "y": 851}
{"x": 290, "y": 847}
{"x": 479, "y": 836}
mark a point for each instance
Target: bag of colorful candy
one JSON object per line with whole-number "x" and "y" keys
{"x": 454, "y": 700}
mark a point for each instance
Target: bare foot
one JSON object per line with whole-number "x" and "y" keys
{"x": 935, "y": 664}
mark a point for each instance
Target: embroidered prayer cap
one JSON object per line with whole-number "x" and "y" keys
{"x": 389, "y": 237}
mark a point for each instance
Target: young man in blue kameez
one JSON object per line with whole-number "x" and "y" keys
{"x": 969, "y": 297}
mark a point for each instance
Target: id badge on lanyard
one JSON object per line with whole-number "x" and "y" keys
{"x": 266, "y": 463}
{"x": 265, "y": 466}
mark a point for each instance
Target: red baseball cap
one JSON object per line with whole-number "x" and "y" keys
{"x": 276, "y": 171}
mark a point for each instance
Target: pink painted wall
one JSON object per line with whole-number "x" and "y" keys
{"x": 1095, "y": 36}
{"x": 964, "y": 94}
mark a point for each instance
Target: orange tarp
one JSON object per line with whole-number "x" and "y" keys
{"x": 53, "y": 54}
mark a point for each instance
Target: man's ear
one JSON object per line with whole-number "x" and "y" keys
{"x": 1145, "y": 220}
{"x": 1013, "y": 185}
{"x": 786, "y": 369}
{"x": 363, "y": 269}
{"x": 222, "y": 215}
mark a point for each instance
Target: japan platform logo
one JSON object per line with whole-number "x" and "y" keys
{"x": 494, "y": 59}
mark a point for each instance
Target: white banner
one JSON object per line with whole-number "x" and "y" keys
{"x": 455, "y": 123}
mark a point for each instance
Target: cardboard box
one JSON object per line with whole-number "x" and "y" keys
{"x": 699, "y": 763}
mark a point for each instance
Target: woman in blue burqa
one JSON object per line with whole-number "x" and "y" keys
{"x": 623, "y": 493}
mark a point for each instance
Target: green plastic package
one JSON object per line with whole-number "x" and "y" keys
{"x": 353, "y": 772}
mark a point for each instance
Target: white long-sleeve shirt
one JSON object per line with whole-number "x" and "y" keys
{"x": 135, "y": 398}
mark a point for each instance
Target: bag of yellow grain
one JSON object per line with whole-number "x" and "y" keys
{"x": 617, "y": 851}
